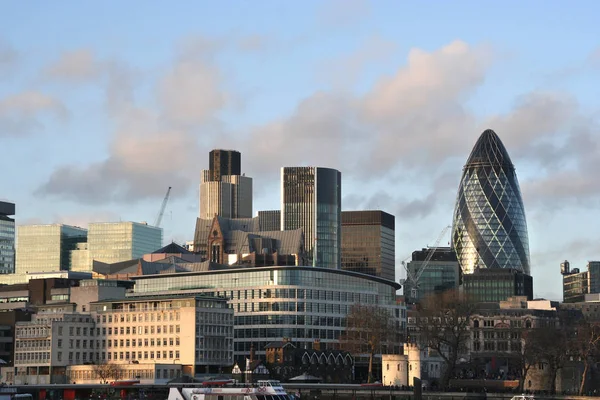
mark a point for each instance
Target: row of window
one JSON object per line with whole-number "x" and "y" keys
{"x": 77, "y": 343}
{"x": 142, "y": 317}
{"x": 127, "y": 374}
{"x": 118, "y": 356}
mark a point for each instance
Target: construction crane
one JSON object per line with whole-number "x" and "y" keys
{"x": 162, "y": 209}
{"x": 414, "y": 276}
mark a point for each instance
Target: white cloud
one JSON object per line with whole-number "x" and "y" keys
{"x": 149, "y": 150}
{"x": 20, "y": 113}
{"x": 74, "y": 66}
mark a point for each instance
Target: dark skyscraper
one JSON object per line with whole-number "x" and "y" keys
{"x": 311, "y": 199}
{"x": 224, "y": 162}
{"x": 269, "y": 220}
{"x": 7, "y": 238}
{"x": 489, "y": 227}
{"x": 368, "y": 243}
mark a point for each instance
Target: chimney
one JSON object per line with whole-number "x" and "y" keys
{"x": 252, "y": 352}
{"x": 317, "y": 345}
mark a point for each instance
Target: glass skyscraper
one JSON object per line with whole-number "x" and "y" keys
{"x": 368, "y": 243}
{"x": 47, "y": 248}
{"x": 7, "y": 238}
{"x": 111, "y": 242}
{"x": 489, "y": 227}
{"x": 311, "y": 199}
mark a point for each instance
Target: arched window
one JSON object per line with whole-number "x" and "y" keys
{"x": 476, "y": 323}
{"x": 388, "y": 367}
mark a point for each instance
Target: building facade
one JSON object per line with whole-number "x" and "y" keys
{"x": 224, "y": 190}
{"x": 269, "y": 220}
{"x": 489, "y": 227}
{"x": 165, "y": 329}
{"x": 272, "y": 303}
{"x": 579, "y": 284}
{"x": 311, "y": 200}
{"x": 494, "y": 285}
{"x": 47, "y": 248}
{"x": 7, "y": 238}
{"x": 439, "y": 274}
{"x": 61, "y": 345}
{"x": 369, "y": 243}
{"x": 111, "y": 242}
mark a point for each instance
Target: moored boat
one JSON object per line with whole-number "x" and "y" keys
{"x": 263, "y": 390}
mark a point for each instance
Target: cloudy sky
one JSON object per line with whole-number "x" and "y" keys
{"x": 104, "y": 105}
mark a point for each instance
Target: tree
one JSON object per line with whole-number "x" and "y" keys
{"x": 368, "y": 329}
{"x": 530, "y": 354}
{"x": 586, "y": 345}
{"x": 107, "y": 372}
{"x": 443, "y": 326}
{"x": 551, "y": 347}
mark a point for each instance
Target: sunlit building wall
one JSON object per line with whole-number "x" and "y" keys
{"x": 311, "y": 200}
{"x": 47, "y": 248}
{"x": 111, "y": 242}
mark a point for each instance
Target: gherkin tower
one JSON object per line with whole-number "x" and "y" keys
{"x": 489, "y": 228}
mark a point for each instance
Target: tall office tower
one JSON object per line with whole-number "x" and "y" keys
{"x": 47, "y": 248}
{"x": 489, "y": 227}
{"x": 224, "y": 162}
{"x": 224, "y": 191}
{"x": 311, "y": 199}
{"x": 441, "y": 273}
{"x": 368, "y": 243}
{"x": 7, "y": 238}
{"x": 269, "y": 220}
{"x": 111, "y": 242}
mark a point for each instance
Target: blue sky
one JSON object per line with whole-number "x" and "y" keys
{"x": 105, "y": 105}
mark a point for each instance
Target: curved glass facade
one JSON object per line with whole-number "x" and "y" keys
{"x": 489, "y": 227}
{"x": 272, "y": 303}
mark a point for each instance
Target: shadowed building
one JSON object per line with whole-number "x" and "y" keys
{"x": 489, "y": 227}
{"x": 7, "y": 238}
{"x": 311, "y": 200}
{"x": 269, "y": 220}
{"x": 224, "y": 191}
{"x": 368, "y": 243}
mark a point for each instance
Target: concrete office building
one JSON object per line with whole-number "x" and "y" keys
{"x": 64, "y": 339}
{"x": 7, "y": 238}
{"x": 224, "y": 191}
{"x": 47, "y": 248}
{"x": 311, "y": 200}
{"x": 368, "y": 243}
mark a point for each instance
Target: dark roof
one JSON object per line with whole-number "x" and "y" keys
{"x": 489, "y": 151}
{"x": 172, "y": 248}
{"x": 123, "y": 267}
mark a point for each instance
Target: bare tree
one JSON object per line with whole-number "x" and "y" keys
{"x": 586, "y": 345}
{"x": 530, "y": 354}
{"x": 551, "y": 347}
{"x": 369, "y": 328}
{"x": 107, "y": 372}
{"x": 443, "y": 327}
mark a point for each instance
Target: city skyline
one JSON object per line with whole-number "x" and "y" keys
{"x": 102, "y": 115}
